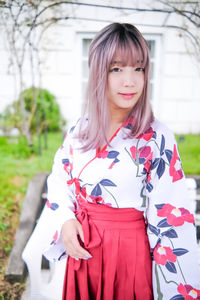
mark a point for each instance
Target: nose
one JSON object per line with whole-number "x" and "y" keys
{"x": 129, "y": 80}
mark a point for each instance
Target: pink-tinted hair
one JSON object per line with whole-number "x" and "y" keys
{"x": 128, "y": 43}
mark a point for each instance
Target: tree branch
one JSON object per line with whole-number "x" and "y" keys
{"x": 183, "y": 12}
{"x": 54, "y": 20}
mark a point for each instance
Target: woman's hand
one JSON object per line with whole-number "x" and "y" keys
{"x": 70, "y": 231}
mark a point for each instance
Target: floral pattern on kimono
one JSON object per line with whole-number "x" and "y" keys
{"x": 144, "y": 173}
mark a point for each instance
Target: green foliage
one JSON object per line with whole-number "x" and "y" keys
{"x": 189, "y": 148}
{"x": 41, "y": 110}
{"x": 17, "y": 147}
{"x": 15, "y": 172}
{"x": 48, "y": 109}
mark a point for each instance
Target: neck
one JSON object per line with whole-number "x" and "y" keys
{"x": 117, "y": 117}
{"x": 115, "y": 124}
{"x": 117, "y": 120}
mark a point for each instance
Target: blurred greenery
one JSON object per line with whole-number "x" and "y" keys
{"x": 47, "y": 106}
{"x": 189, "y": 148}
{"x": 18, "y": 166}
{"x": 48, "y": 113}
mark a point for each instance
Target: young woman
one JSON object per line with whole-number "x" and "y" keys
{"x": 117, "y": 191}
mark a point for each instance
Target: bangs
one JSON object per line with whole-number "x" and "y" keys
{"x": 130, "y": 53}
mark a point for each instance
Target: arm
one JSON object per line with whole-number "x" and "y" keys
{"x": 171, "y": 229}
{"x": 60, "y": 208}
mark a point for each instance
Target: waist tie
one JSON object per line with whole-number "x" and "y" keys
{"x": 92, "y": 216}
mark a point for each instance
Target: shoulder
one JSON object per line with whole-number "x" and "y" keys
{"x": 73, "y": 132}
{"x": 75, "y": 128}
{"x": 160, "y": 139}
{"x": 156, "y": 132}
{"x": 162, "y": 131}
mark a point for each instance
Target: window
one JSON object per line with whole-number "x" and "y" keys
{"x": 151, "y": 44}
{"x": 84, "y": 64}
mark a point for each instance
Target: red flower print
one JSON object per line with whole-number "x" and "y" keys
{"x": 53, "y": 205}
{"x": 111, "y": 166}
{"x": 128, "y": 123}
{"x": 175, "y": 168}
{"x": 66, "y": 167}
{"x": 144, "y": 154}
{"x": 147, "y": 164}
{"x": 147, "y": 135}
{"x": 188, "y": 292}
{"x": 133, "y": 152}
{"x": 163, "y": 254}
{"x": 77, "y": 184}
{"x": 109, "y": 154}
{"x": 79, "y": 191}
{"x": 48, "y": 204}
{"x": 70, "y": 150}
{"x": 55, "y": 238}
{"x": 103, "y": 154}
{"x": 71, "y": 157}
{"x": 97, "y": 199}
{"x": 148, "y": 177}
{"x": 175, "y": 216}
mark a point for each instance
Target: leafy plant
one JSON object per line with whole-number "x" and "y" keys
{"x": 46, "y": 106}
{"x": 41, "y": 109}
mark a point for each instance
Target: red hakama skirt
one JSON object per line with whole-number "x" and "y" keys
{"x": 121, "y": 266}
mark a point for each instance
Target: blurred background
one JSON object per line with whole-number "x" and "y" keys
{"x": 43, "y": 75}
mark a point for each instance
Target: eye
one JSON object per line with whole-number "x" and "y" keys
{"x": 139, "y": 69}
{"x": 115, "y": 69}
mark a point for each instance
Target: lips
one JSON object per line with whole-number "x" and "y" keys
{"x": 127, "y": 96}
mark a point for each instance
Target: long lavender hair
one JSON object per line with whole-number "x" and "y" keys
{"x": 126, "y": 41}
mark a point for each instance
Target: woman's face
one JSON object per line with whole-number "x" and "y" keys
{"x": 124, "y": 87}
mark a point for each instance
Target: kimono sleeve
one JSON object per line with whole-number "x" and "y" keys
{"x": 60, "y": 200}
{"x": 171, "y": 229}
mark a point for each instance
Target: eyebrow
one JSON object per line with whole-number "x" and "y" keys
{"x": 117, "y": 62}
{"x": 122, "y": 63}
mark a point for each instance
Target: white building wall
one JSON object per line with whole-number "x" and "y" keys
{"x": 7, "y": 79}
{"x": 177, "y": 97}
{"x": 180, "y": 86}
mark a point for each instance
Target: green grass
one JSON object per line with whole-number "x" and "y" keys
{"x": 189, "y": 148}
{"x": 16, "y": 169}
{"x": 17, "y": 166}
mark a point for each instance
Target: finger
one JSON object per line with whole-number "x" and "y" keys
{"x": 80, "y": 231}
{"x": 79, "y": 251}
{"x": 74, "y": 249}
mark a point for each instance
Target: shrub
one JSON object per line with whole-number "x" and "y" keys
{"x": 17, "y": 147}
{"x": 47, "y": 114}
{"x": 48, "y": 109}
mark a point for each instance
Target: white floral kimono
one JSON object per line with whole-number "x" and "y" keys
{"x": 144, "y": 173}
